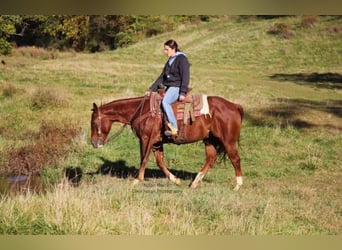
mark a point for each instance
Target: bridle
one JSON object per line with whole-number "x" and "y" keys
{"x": 112, "y": 137}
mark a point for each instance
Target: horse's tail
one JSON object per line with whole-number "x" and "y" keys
{"x": 220, "y": 149}
{"x": 240, "y": 109}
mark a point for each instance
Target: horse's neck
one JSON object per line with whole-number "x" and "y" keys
{"x": 121, "y": 110}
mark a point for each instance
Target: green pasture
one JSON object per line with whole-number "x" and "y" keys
{"x": 290, "y": 144}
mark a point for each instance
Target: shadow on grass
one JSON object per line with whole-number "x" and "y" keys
{"x": 291, "y": 112}
{"x": 320, "y": 80}
{"x": 119, "y": 169}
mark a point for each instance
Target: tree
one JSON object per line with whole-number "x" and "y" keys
{"x": 76, "y": 29}
{"x": 84, "y": 32}
{"x": 7, "y": 29}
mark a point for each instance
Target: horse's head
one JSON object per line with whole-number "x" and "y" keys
{"x": 100, "y": 127}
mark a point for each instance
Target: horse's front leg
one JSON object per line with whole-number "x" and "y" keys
{"x": 159, "y": 155}
{"x": 149, "y": 136}
{"x": 145, "y": 150}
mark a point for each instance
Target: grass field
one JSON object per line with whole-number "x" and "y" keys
{"x": 290, "y": 142}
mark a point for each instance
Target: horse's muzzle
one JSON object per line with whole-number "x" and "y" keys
{"x": 97, "y": 143}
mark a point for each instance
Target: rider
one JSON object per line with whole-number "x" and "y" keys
{"x": 175, "y": 76}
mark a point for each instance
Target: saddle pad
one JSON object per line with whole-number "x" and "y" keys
{"x": 200, "y": 106}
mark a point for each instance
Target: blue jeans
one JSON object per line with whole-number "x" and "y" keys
{"x": 170, "y": 97}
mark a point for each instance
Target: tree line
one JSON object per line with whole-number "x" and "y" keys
{"x": 91, "y": 33}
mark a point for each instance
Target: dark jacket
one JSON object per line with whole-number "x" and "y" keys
{"x": 176, "y": 75}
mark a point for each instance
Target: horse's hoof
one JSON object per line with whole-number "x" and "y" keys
{"x": 135, "y": 182}
{"x": 194, "y": 185}
{"x": 174, "y": 179}
{"x": 177, "y": 181}
{"x": 237, "y": 187}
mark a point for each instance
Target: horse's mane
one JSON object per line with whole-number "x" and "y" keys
{"x": 125, "y": 100}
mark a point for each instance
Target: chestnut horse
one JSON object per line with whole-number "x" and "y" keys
{"x": 219, "y": 131}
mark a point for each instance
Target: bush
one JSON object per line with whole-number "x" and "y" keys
{"x": 5, "y": 47}
{"x": 47, "y": 98}
{"x": 123, "y": 39}
{"x": 37, "y": 52}
{"x": 282, "y": 30}
{"x": 9, "y": 90}
{"x": 48, "y": 147}
{"x": 309, "y": 21}
{"x": 335, "y": 29}
{"x": 205, "y": 18}
{"x": 97, "y": 46}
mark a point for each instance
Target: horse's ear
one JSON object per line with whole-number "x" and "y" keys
{"x": 94, "y": 107}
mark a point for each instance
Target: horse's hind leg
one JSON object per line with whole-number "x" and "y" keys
{"x": 159, "y": 155}
{"x": 211, "y": 156}
{"x": 235, "y": 160}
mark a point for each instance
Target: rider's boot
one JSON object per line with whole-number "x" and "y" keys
{"x": 172, "y": 132}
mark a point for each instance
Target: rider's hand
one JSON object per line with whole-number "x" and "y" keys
{"x": 181, "y": 97}
{"x": 147, "y": 93}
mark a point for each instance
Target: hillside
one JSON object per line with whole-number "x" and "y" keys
{"x": 290, "y": 89}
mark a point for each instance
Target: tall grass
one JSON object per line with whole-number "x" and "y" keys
{"x": 291, "y": 93}
{"x": 112, "y": 206}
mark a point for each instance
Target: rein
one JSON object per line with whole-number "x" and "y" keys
{"x": 112, "y": 137}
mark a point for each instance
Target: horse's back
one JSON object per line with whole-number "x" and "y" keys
{"x": 223, "y": 105}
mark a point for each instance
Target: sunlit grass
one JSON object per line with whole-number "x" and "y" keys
{"x": 289, "y": 145}
{"x": 112, "y": 206}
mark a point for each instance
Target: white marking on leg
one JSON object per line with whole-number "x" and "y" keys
{"x": 239, "y": 180}
{"x": 198, "y": 178}
{"x": 135, "y": 182}
{"x": 174, "y": 179}
{"x": 238, "y": 183}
